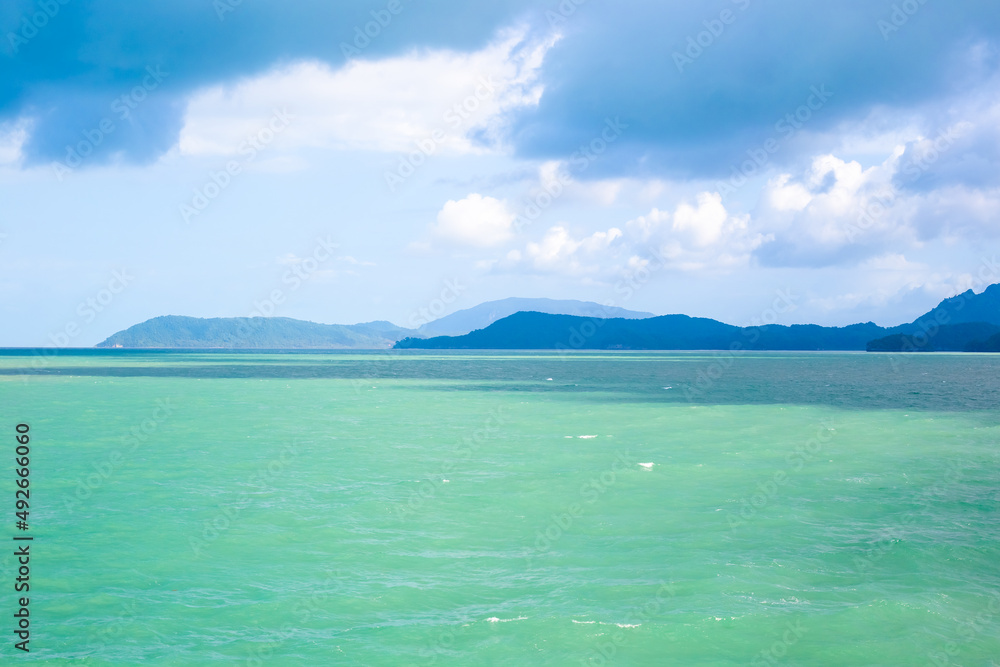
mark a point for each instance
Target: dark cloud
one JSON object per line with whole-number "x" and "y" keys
{"x": 690, "y": 116}
{"x": 762, "y": 66}
{"x": 786, "y": 252}
{"x": 67, "y": 72}
{"x": 953, "y": 156}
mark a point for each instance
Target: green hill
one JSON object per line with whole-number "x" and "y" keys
{"x": 260, "y": 333}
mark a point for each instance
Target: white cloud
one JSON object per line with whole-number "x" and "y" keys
{"x": 555, "y": 176}
{"x": 559, "y": 252}
{"x": 838, "y": 212}
{"x": 953, "y": 213}
{"x": 782, "y": 195}
{"x": 833, "y": 206}
{"x": 934, "y": 175}
{"x": 644, "y": 225}
{"x": 701, "y": 225}
{"x": 892, "y": 261}
{"x": 475, "y": 221}
{"x": 696, "y": 237}
{"x": 382, "y": 105}
{"x": 704, "y": 236}
{"x": 12, "y": 138}
{"x": 893, "y": 181}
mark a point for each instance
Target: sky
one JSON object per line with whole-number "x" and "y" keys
{"x": 751, "y": 161}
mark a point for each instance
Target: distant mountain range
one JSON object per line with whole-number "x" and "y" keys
{"x": 967, "y": 322}
{"x": 173, "y": 331}
{"x": 485, "y": 314}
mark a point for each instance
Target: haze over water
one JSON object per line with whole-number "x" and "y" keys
{"x": 501, "y": 509}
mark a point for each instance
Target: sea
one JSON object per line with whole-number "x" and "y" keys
{"x": 508, "y": 508}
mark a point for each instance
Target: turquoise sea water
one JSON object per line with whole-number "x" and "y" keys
{"x": 480, "y": 509}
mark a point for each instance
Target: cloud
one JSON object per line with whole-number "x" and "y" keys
{"x": 698, "y": 120}
{"x": 451, "y": 101}
{"x": 821, "y": 208}
{"x": 12, "y": 138}
{"x": 559, "y": 252}
{"x": 885, "y": 284}
{"x": 90, "y": 53}
{"x": 696, "y": 237}
{"x": 645, "y": 225}
{"x": 839, "y": 212}
{"x": 702, "y": 225}
{"x": 475, "y": 221}
{"x": 954, "y": 213}
{"x": 694, "y": 121}
{"x": 963, "y": 148}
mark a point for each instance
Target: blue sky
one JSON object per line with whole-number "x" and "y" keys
{"x": 345, "y": 162}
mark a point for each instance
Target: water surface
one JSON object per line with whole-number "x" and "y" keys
{"x": 491, "y": 509}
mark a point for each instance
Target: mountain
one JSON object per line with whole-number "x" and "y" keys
{"x": 961, "y": 323}
{"x": 966, "y": 322}
{"x": 481, "y": 316}
{"x": 945, "y": 338}
{"x": 669, "y": 332}
{"x": 967, "y": 307}
{"x": 991, "y": 344}
{"x": 260, "y": 333}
